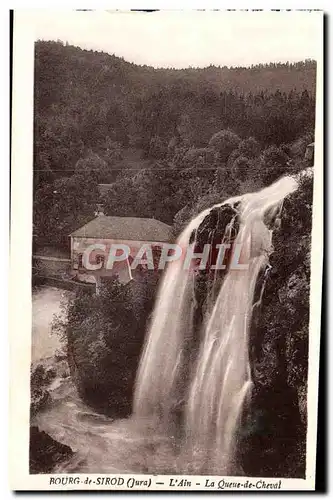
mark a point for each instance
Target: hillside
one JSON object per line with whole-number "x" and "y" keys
{"x": 154, "y": 134}
{"x": 87, "y": 99}
{"x": 172, "y": 143}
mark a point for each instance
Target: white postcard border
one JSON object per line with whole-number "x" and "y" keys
{"x": 20, "y": 293}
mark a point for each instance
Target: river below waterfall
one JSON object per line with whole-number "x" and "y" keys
{"x": 45, "y": 303}
{"x": 188, "y": 414}
{"x": 100, "y": 444}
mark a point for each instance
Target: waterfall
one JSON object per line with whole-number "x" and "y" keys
{"x": 210, "y": 386}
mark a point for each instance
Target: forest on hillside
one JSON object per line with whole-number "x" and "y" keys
{"x": 169, "y": 141}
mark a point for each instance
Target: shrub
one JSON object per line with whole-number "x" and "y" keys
{"x": 273, "y": 164}
{"x": 224, "y": 142}
{"x": 105, "y": 335}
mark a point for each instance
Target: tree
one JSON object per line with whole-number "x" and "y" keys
{"x": 122, "y": 199}
{"x": 93, "y": 166}
{"x": 241, "y": 168}
{"x": 273, "y": 163}
{"x": 298, "y": 148}
{"x": 207, "y": 155}
{"x": 249, "y": 147}
{"x": 62, "y": 207}
{"x": 104, "y": 335}
{"x": 185, "y": 129}
{"x": 224, "y": 142}
{"x": 112, "y": 151}
{"x": 158, "y": 148}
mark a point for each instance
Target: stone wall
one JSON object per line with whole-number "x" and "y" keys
{"x": 48, "y": 266}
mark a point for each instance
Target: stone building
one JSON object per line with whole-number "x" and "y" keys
{"x": 108, "y": 230}
{"x": 309, "y": 153}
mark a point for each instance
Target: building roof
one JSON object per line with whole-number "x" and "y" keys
{"x": 125, "y": 228}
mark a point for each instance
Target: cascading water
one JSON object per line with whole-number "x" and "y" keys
{"x": 210, "y": 389}
{"x": 194, "y": 376}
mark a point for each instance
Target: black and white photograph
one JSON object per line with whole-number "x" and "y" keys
{"x": 170, "y": 325}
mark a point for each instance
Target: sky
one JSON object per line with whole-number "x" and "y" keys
{"x": 188, "y": 38}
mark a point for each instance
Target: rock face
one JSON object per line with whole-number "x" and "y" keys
{"x": 43, "y": 375}
{"x": 214, "y": 225}
{"x": 277, "y": 420}
{"x": 220, "y": 221}
{"x": 273, "y": 434}
{"x": 39, "y": 382}
{"x": 45, "y": 452}
{"x": 39, "y": 400}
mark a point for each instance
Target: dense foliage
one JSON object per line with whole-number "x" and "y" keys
{"x": 172, "y": 143}
{"x": 104, "y": 335}
{"x": 165, "y": 139}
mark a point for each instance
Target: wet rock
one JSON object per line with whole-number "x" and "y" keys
{"x": 279, "y": 348}
{"x": 221, "y": 224}
{"x": 46, "y": 376}
{"x": 294, "y": 294}
{"x": 40, "y": 398}
{"x": 213, "y": 227}
{"x": 39, "y": 383}
{"x": 45, "y": 452}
